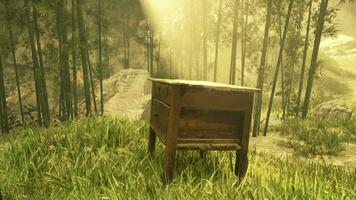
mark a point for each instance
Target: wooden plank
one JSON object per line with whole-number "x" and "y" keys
{"x": 159, "y": 119}
{"x": 162, "y": 92}
{"x": 204, "y": 85}
{"x": 202, "y": 146}
{"x": 208, "y": 134}
{"x": 207, "y": 141}
{"x": 208, "y": 121}
{"x": 223, "y": 101}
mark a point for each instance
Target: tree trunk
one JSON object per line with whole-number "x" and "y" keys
{"x": 314, "y": 60}
{"x": 244, "y": 43}
{"x": 278, "y": 66}
{"x": 41, "y": 72}
{"x": 159, "y": 53}
{"x": 64, "y": 60}
{"x": 282, "y": 63}
{"x": 92, "y": 83}
{"x": 234, "y": 44}
{"x": 217, "y": 41}
{"x": 260, "y": 79}
{"x": 151, "y": 51}
{"x": 83, "y": 51}
{"x": 205, "y": 40}
{"x": 291, "y": 75}
{"x": 74, "y": 60}
{"x": 148, "y": 47}
{"x": 305, "y": 53}
{"x": 100, "y": 61}
{"x": 13, "y": 51}
{"x": 35, "y": 61}
{"x": 3, "y": 108}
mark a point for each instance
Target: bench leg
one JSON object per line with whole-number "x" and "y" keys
{"x": 202, "y": 154}
{"x": 151, "y": 142}
{"x": 241, "y": 164}
{"x": 169, "y": 163}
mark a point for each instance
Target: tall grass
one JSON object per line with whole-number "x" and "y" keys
{"x": 316, "y": 136}
{"x": 106, "y": 159}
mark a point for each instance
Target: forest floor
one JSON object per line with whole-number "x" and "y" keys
{"x": 106, "y": 158}
{"x": 276, "y": 145}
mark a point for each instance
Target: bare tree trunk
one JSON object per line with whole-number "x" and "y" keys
{"x": 148, "y": 47}
{"x": 83, "y": 50}
{"x": 205, "y": 40}
{"x": 217, "y": 41}
{"x": 260, "y": 79}
{"x": 151, "y": 51}
{"x": 278, "y": 66}
{"x": 244, "y": 43}
{"x": 282, "y": 63}
{"x": 92, "y": 85}
{"x": 100, "y": 61}
{"x": 159, "y": 53}
{"x": 234, "y": 43}
{"x": 314, "y": 60}
{"x": 13, "y": 51}
{"x": 35, "y": 61}
{"x": 64, "y": 59}
{"x": 3, "y": 108}
{"x": 291, "y": 74}
{"x": 305, "y": 53}
{"x": 74, "y": 60}
{"x": 42, "y": 77}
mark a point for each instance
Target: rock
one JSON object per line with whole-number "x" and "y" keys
{"x": 127, "y": 93}
{"x": 335, "y": 108}
{"x": 274, "y": 122}
{"x": 146, "y": 112}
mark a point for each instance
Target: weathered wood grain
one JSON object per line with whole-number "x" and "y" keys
{"x": 159, "y": 119}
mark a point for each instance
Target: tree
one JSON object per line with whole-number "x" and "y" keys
{"x": 234, "y": 43}
{"x": 217, "y": 41}
{"x": 66, "y": 96}
{"x": 260, "y": 79}
{"x": 205, "y": 40}
{"x": 83, "y": 52}
{"x": 244, "y": 27}
{"x": 305, "y": 53}
{"x": 278, "y": 65}
{"x": 314, "y": 59}
{"x": 41, "y": 74}
{"x": 13, "y": 52}
{"x": 92, "y": 85}
{"x": 42, "y": 107}
{"x": 100, "y": 59}
{"x": 3, "y": 108}
{"x": 74, "y": 59}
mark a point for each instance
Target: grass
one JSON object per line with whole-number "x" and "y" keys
{"x": 315, "y": 136}
{"x": 106, "y": 159}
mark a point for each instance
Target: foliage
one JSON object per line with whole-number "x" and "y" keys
{"x": 315, "y": 136}
{"x": 106, "y": 159}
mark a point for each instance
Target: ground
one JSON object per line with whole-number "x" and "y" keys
{"x": 275, "y": 144}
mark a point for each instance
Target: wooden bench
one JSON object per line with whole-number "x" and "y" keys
{"x": 200, "y": 115}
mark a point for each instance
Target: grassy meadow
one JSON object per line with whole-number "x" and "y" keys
{"x": 106, "y": 158}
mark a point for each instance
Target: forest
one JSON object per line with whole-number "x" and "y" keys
{"x": 75, "y": 99}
